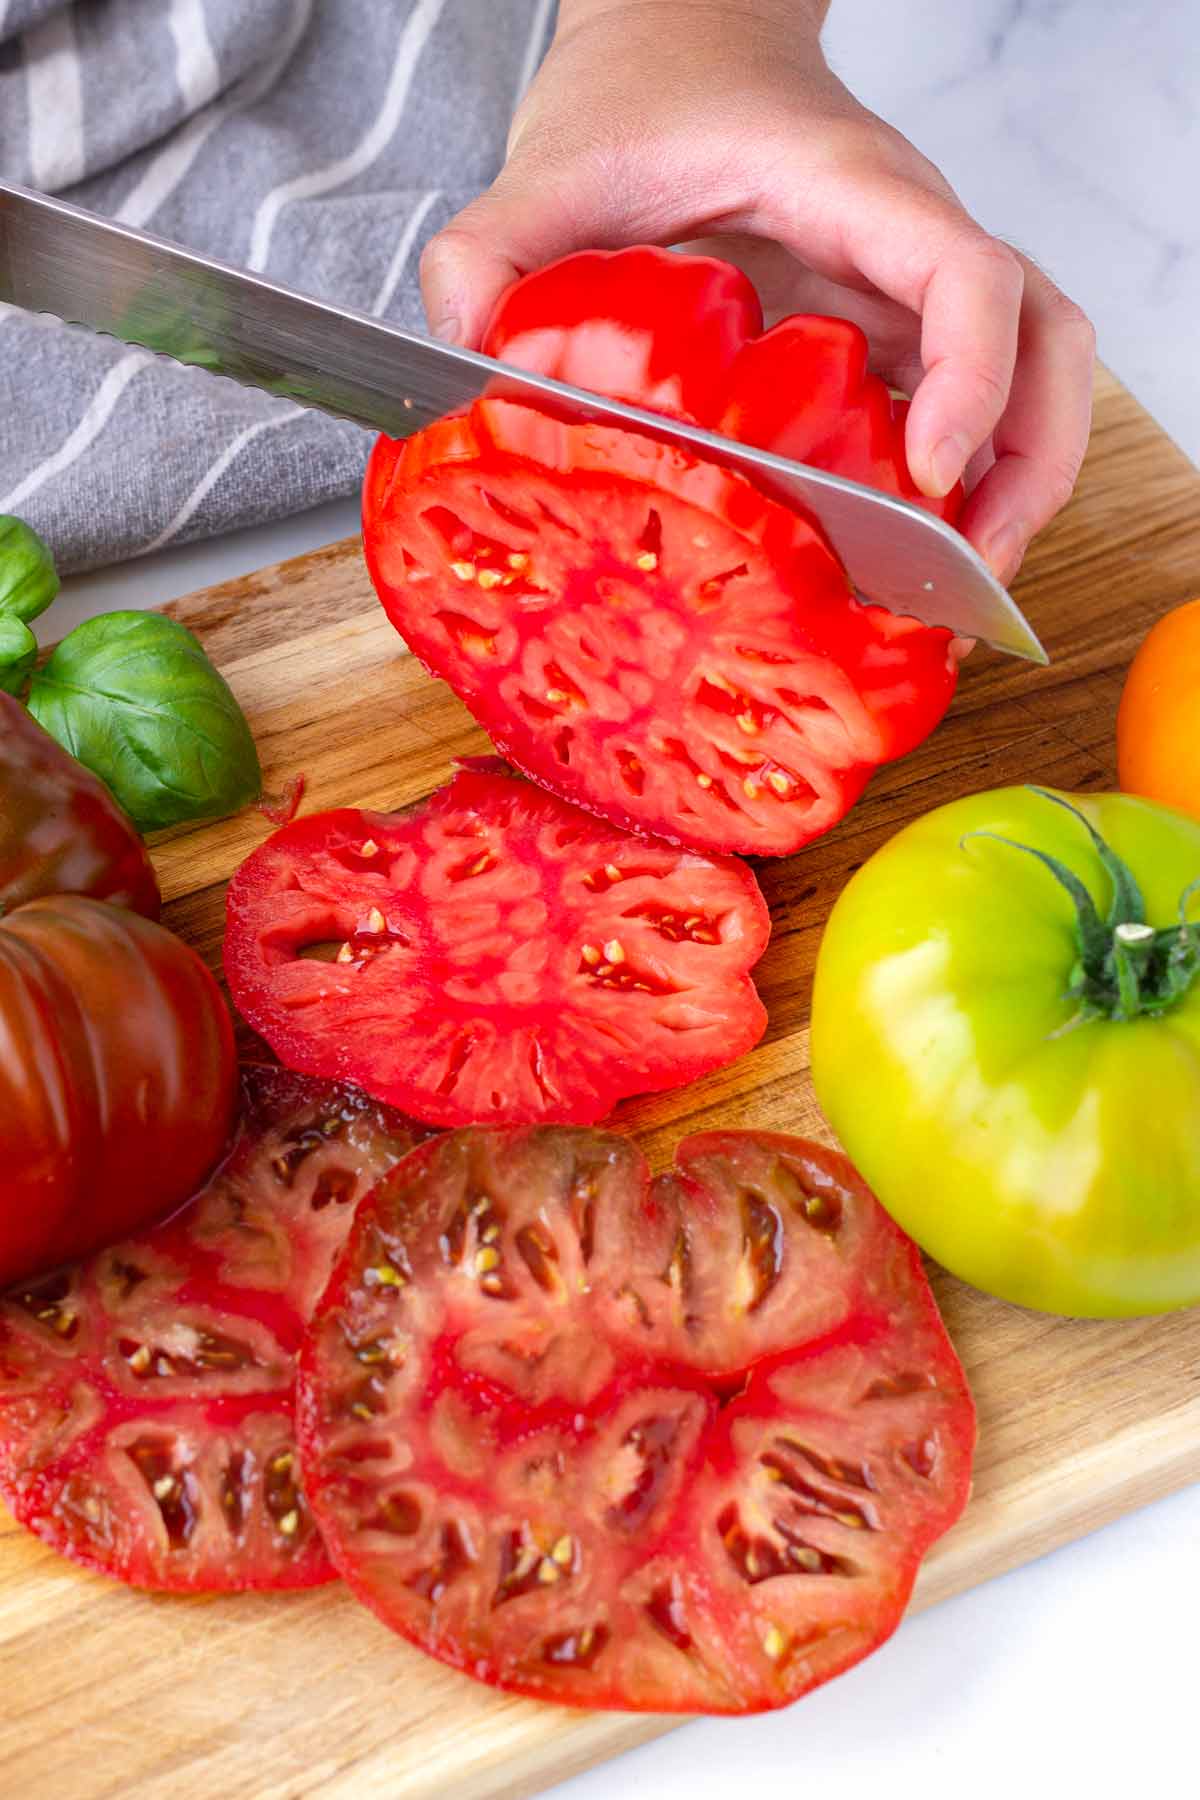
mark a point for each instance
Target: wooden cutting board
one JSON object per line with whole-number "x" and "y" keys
{"x": 111, "y": 1695}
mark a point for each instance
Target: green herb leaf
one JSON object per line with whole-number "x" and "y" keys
{"x": 28, "y": 579}
{"x": 18, "y": 653}
{"x": 134, "y": 697}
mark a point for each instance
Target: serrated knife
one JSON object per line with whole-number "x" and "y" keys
{"x": 59, "y": 259}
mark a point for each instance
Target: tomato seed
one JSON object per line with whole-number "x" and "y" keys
{"x": 464, "y": 570}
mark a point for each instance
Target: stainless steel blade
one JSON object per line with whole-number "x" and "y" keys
{"x": 56, "y": 258}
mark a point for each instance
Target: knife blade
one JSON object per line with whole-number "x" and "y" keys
{"x": 128, "y": 284}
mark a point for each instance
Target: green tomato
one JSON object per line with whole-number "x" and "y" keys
{"x": 1006, "y": 1038}
{"x": 133, "y": 697}
{"x": 28, "y": 579}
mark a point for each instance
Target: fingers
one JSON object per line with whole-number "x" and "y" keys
{"x": 521, "y": 223}
{"x": 1007, "y": 359}
{"x": 1041, "y": 438}
{"x": 969, "y": 327}
{"x": 907, "y": 236}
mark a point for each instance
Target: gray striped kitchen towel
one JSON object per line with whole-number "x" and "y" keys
{"x": 320, "y": 141}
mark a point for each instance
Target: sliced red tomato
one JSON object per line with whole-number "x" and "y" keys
{"x": 645, "y": 634}
{"x": 673, "y": 1446}
{"x": 146, "y": 1394}
{"x": 494, "y": 954}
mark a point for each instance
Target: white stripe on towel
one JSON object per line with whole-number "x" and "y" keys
{"x": 213, "y": 474}
{"x": 54, "y": 92}
{"x": 94, "y": 419}
{"x": 164, "y": 172}
{"x": 403, "y": 251}
{"x": 196, "y": 68}
{"x": 417, "y": 29}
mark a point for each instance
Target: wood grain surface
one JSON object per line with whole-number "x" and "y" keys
{"x": 106, "y": 1693}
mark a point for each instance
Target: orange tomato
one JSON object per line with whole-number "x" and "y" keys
{"x": 1158, "y": 725}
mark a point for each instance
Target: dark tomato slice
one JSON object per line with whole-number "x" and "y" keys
{"x": 146, "y": 1394}
{"x": 494, "y": 955}
{"x": 672, "y": 1446}
{"x": 645, "y": 634}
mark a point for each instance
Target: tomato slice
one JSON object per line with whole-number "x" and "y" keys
{"x": 672, "y": 1446}
{"x": 494, "y": 954}
{"x": 645, "y": 634}
{"x": 146, "y": 1394}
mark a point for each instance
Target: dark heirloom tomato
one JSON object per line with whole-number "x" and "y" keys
{"x": 61, "y": 831}
{"x": 494, "y": 954}
{"x": 146, "y": 1395}
{"x": 645, "y": 634}
{"x": 673, "y": 1446}
{"x": 117, "y": 1077}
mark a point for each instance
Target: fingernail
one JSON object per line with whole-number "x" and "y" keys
{"x": 947, "y": 462}
{"x": 449, "y": 330}
{"x": 1005, "y": 548}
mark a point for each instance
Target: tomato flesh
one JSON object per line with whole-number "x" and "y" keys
{"x": 669, "y": 1446}
{"x": 494, "y": 954}
{"x": 645, "y": 634}
{"x": 146, "y": 1394}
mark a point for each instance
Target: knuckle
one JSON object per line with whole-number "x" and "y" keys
{"x": 445, "y": 249}
{"x": 1001, "y": 263}
{"x": 1058, "y": 481}
{"x": 1071, "y": 322}
{"x": 991, "y": 382}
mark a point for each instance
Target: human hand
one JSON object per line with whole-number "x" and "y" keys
{"x": 671, "y": 121}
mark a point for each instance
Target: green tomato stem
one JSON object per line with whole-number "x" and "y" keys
{"x": 1126, "y": 969}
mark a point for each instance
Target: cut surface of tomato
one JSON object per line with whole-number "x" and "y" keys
{"x": 644, "y": 634}
{"x": 494, "y": 954}
{"x": 146, "y": 1394}
{"x": 668, "y": 1446}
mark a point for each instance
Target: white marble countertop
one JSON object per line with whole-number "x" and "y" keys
{"x": 1071, "y": 127}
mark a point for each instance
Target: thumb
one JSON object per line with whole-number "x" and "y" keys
{"x": 527, "y": 218}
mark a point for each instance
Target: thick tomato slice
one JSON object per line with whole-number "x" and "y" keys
{"x": 494, "y": 954}
{"x": 146, "y": 1394}
{"x": 672, "y": 1446}
{"x": 645, "y": 634}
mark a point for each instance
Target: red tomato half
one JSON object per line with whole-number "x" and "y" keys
{"x": 117, "y": 1078}
{"x": 494, "y": 954}
{"x": 673, "y": 1446}
{"x": 146, "y": 1394}
{"x": 645, "y": 634}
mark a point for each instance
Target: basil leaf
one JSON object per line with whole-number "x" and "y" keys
{"x": 18, "y": 653}
{"x": 28, "y": 579}
{"x": 133, "y": 697}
